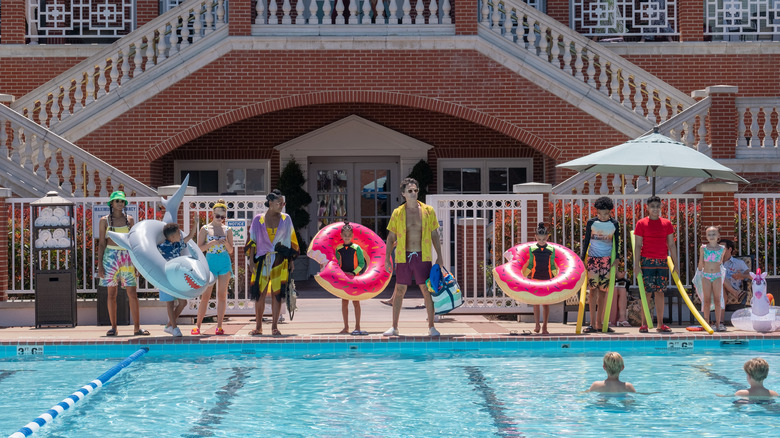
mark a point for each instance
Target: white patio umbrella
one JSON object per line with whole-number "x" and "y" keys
{"x": 651, "y": 156}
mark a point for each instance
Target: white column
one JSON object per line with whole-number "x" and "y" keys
{"x": 768, "y": 141}
{"x": 339, "y": 12}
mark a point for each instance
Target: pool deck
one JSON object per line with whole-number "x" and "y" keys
{"x": 318, "y": 319}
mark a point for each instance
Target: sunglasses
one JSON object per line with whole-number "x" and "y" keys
{"x": 219, "y": 216}
{"x": 412, "y": 191}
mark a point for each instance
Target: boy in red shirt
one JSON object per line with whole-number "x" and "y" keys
{"x": 654, "y": 241}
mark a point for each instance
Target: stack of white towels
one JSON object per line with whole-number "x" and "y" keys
{"x": 57, "y": 238}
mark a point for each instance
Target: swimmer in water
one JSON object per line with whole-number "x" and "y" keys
{"x": 757, "y": 370}
{"x": 613, "y": 365}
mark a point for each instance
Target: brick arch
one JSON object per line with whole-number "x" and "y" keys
{"x": 378, "y": 97}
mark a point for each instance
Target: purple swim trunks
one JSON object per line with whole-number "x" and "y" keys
{"x": 414, "y": 271}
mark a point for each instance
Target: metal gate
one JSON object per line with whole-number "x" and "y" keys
{"x": 475, "y": 231}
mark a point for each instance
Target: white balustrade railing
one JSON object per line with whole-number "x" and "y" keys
{"x": 70, "y": 20}
{"x": 153, "y": 44}
{"x": 36, "y": 160}
{"x": 353, "y": 12}
{"x": 758, "y": 219}
{"x": 571, "y": 212}
{"x": 618, "y": 18}
{"x": 542, "y": 36}
{"x": 21, "y": 265}
{"x": 758, "y": 129}
{"x": 736, "y": 20}
{"x": 475, "y": 231}
{"x": 690, "y": 126}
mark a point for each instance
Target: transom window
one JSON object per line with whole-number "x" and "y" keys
{"x": 239, "y": 177}
{"x": 483, "y": 175}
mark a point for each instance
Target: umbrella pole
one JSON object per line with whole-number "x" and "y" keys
{"x": 654, "y": 180}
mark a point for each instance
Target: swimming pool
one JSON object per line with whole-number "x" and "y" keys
{"x": 373, "y": 389}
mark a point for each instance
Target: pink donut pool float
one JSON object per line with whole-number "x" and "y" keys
{"x": 350, "y": 287}
{"x": 568, "y": 281}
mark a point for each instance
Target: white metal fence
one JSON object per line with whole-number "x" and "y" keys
{"x": 475, "y": 232}
{"x": 571, "y": 213}
{"x": 241, "y": 209}
{"x": 648, "y": 18}
{"x": 757, "y": 226}
{"x": 736, "y": 20}
{"x": 79, "y": 19}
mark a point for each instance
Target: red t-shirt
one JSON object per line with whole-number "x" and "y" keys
{"x": 654, "y": 235}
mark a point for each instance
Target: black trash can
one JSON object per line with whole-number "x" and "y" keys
{"x": 122, "y": 307}
{"x": 55, "y": 298}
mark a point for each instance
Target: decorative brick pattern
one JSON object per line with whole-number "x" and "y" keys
{"x": 462, "y": 84}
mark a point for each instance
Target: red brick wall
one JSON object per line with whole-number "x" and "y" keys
{"x": 13, "y": 23}
{"x": 690, "y": 20}
{"x": 755, "y": 75}
{"x": 241, "y": 17}
{"x": 466, "y": 13}
{"x": 146, "y": 11}
{"x": 767, "y": 182}
{"x": 723, "y": 125}
{"x": 463, "y": 84}
{"x": 717, "y": 209}
{"x": 19, "y": 76}
{"x": 559, "y": 9}
{"x": 254, "y": 138}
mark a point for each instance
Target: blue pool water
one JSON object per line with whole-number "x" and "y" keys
{"x": 424, "y": 390}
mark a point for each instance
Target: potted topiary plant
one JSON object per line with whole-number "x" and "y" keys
{"x": 424, "y": 175}
{"x": 291, "y": 184}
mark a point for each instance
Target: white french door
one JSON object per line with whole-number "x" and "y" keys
{"x": 361, "y": 191}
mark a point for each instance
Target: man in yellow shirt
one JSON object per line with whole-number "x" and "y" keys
{"x": 413, "y": 229}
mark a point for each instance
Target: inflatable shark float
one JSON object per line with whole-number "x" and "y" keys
{"x": 185, "y": 277}
{"x": 761, "y": 316}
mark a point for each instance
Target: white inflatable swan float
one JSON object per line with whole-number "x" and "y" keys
{"x": 185, "y": 277}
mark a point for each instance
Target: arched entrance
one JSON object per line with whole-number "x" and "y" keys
{"x": 354, "y": 168}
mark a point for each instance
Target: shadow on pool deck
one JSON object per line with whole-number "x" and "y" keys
{"x": 319, "y": 319}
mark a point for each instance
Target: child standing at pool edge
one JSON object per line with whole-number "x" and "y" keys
{"x": 170, "y": 249}
{"x": 602, "y": 234}
{"x": 654, "y": 237}
{"x": 541, "y": 266}
{"x": 757, "y": 370}
{"x": 352, "y": 260}
{"x": 710, "y": 262}
{"x": 613, "y": 365}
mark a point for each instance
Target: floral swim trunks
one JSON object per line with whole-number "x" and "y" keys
{"x": 655, "y": 273}
{"x": 119, "y": 268}
{"x": 598, "y": 271}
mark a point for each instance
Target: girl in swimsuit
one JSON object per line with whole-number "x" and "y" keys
{"x": 216, "y": 240}
{"x": 710, "y": 261}
{"x": 114, "y": 265}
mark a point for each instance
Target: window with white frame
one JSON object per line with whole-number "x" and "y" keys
{"x": 490, "y": 175}
{"x": 240, "y": 177}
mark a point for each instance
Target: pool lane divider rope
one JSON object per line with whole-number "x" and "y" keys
{"x": 51, "y": 414}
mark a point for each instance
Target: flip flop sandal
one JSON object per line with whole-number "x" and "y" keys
{"x": 141, "y": 332}
{"x": 359, "y": 333}
{"x": 589, "y": 329}
{"x": 256, "y": 332}
{"x": 111, "y": 332}
{"x": 664, "y": 329}
{"x": 276, "y": 332}
{"x": 195, "y": 331}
